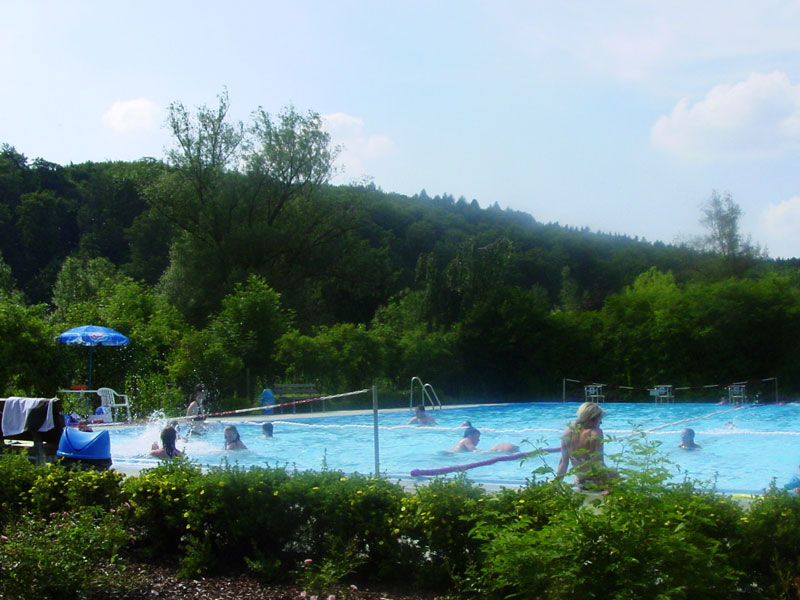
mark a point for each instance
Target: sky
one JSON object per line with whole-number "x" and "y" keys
{"x": 618, "y": 116}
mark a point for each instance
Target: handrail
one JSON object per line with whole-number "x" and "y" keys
{"x": 426, "y": 389}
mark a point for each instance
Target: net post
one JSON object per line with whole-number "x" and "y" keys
{"x": 375, "y": 429}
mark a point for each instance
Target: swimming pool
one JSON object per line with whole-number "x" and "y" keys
{"x": 742, "y": 448}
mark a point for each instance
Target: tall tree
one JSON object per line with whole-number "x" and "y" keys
{"x": 230, "y": 189}
{"x": 720, "y": 217}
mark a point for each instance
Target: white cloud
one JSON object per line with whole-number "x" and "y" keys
{"x": 781, "y": 224}
{"x": 125, "y": 116}
{"x": 639, "y": 41}
{"x": 358, "y": 148}
{"x": 755, "y": 118}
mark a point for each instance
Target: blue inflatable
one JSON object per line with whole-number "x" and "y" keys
{"x": 90, "y": 449}
{"x": 267, "y": 399}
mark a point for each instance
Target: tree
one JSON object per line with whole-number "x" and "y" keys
{"x": 291, "y": 157}
{"x": 720, "y": 217}
{"x": 233, "y": 192}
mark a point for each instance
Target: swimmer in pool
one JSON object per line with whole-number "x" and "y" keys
{"x": 267, "y": 429}
{"x": 469, "y": 443}
{"x": 168, "y": 448}
{"x": 421, "y": 417}
{"x": 687, "y": 440}
{"x": 232, "y": 439}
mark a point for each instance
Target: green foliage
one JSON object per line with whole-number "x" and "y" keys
{"x": 323, "y": 579}
{"x": 64, "y": 531}
{"x": 59, "y": 489}
{"x": 770, "y": 549}
{"x": 646, "y": 542}
{"x": 65, "y": 555}
{"x": 250, "y": 322}
{"x": 235, "y": 516}
{"x": 237, "y": 238}
{"x": 18, "y": 475}
{"x": 159, "y": 499}
{"x": 434, "y": 526}
{"x": 345, "y": 514}
{"x": 29, "y": 360}
{"x": 340, "y": 358}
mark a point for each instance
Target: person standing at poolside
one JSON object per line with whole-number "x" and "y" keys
{"x": 232, "y": 439}
{"x": 194, "y": 412}
{"x": 582, "y": 445}
{"x": 421, "y": 417}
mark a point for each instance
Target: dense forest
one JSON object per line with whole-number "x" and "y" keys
{"x": 234, "y": 262}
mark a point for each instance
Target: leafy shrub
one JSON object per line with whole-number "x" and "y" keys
{"x": 346, "y": 513}
{"x": 434, "y": 526}
{"x": 771, "y": 545}
{"x": 236, "y": 516}
{"x": 640, "y": 542}
{"x": 62, "y": 556}
{"x": 159, "y": 498}
{"x": 57, "y": 488}
{"x": 17, "y": 474}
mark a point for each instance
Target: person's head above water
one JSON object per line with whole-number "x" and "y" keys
{"x": 168, "y": 438}
{"x": 471, "y": 432}
{"x": 267, "y": 429}
{"x": 687, "y": 438}
{"x": 589, "y": 412}
{"x": 231, "y": 434}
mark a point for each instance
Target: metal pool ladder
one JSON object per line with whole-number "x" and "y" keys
{"x": 426, "y": 392}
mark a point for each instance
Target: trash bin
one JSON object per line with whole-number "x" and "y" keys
{"x": 267, "y": 399}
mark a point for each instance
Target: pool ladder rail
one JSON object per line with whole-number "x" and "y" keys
{"x": 426, "y": 392}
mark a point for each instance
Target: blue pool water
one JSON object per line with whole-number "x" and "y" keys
{"x": 743, "y": 448}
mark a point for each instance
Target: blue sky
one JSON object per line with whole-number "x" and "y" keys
{"x": 619, "y": 116}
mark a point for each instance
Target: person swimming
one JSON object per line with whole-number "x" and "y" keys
{"x": 421, "y": 417}
{"x": 267, "y": 429}
{"x": 687, "y": 440}
{"x": 469, "y": 443}
{"x": 168, "y": 448}
{"x": 232, "y": 439}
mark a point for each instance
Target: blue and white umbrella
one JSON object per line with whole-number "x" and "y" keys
{"x": 92, "y": 335}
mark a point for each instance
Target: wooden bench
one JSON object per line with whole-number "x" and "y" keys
{"x": 292, "y": 392}
{"x": 44, "y": 443}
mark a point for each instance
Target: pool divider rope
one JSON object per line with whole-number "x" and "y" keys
{"x": 686, "y": 420}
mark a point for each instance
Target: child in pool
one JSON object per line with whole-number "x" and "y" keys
{"x": 232, "y": 439}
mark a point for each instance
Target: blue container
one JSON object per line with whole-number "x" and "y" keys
{"x": 86, "y": 448}
{"x": 267, "y": 399}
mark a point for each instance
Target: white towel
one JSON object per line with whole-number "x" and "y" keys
{"x": 27, "y": 414}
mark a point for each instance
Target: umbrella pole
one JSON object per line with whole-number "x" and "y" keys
{"x": 90, "y": 367}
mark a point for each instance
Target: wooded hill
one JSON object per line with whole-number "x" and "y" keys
{"x": 235, "y": 263}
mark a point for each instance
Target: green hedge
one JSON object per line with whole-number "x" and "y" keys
{"x": 647, "y": 539}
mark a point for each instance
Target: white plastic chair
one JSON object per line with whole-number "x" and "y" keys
{"x": 112, "y": 400}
